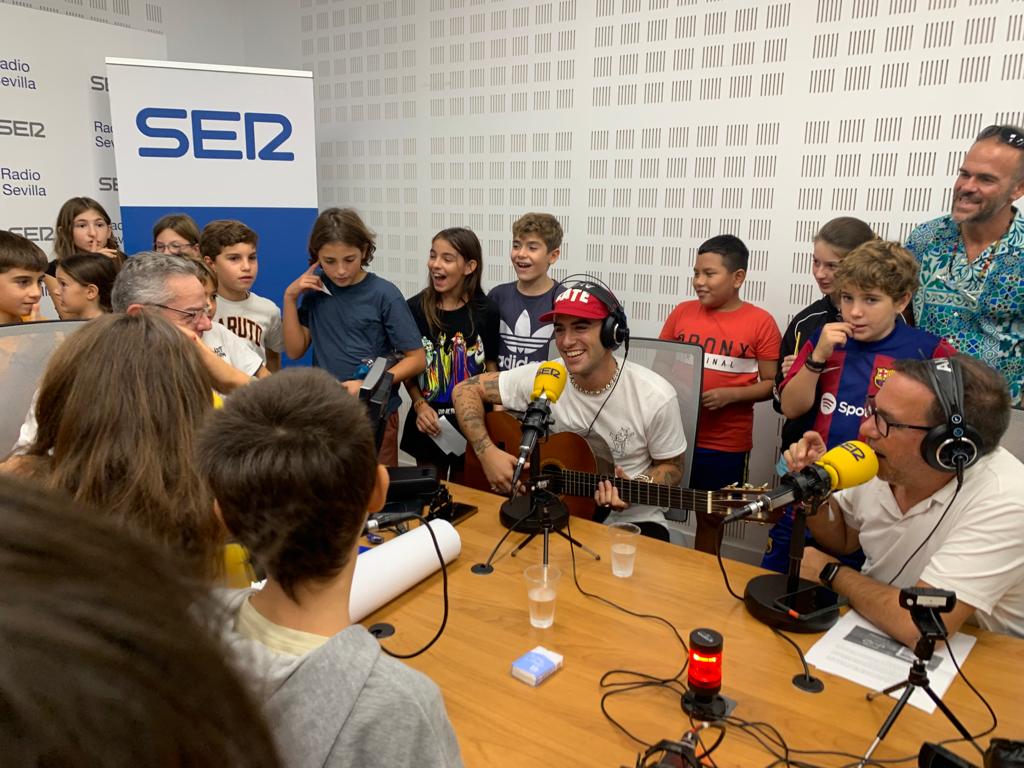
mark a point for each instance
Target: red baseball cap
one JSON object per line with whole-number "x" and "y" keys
{"x": 577, "y": 302}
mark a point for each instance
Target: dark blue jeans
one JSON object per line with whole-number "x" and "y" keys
{"x": 712, "y": 470}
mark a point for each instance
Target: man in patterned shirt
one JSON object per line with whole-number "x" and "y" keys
{"x": 972, "y": 260}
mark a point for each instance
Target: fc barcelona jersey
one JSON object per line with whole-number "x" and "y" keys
{"x": 856, "y": 371}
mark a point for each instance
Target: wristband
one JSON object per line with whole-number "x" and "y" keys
{"x": 643, "y": 478}
{"x": 814, "y": 366}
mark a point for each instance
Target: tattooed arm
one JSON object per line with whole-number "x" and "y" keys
{"x": 662, "y": 471}
{"x": 469, "y": 397}
{"x": 666, "y": 471}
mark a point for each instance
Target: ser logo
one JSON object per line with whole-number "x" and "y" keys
{"x": 98, "y": 83}
{"x": 196, "y": 131}
{"x": 25, "y": 128}
{"x": 39, "y": 234}
{"x": 107, "y": 183}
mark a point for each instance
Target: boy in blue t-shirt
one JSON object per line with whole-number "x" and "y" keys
{"x": 351, "y": 316}
{"x": 523, "y": 338}
{"x": 845, "y": 363}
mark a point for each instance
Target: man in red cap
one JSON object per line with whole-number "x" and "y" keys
{"x": 632, "y": 409}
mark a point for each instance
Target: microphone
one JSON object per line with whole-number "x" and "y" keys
{"x": 548, "y": 385}
{"x": 385, "y": 519}
{"x": 845, "y": 466}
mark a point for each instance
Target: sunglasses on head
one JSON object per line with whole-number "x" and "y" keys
{"x": 1005, "y": 133}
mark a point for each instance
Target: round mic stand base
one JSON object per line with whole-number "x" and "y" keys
{"x": 759, "y": 598}
{"x": 763, "y": 592}
{"x": 537, "y": 511}
{"x": 525, "y": 515}
{"x": 542, "y": 512}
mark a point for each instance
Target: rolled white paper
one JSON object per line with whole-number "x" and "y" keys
{"x": 386, "y": 571}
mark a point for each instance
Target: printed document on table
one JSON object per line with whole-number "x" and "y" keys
{"x": 450, "y": 440}
{"x": 856, "y": 649}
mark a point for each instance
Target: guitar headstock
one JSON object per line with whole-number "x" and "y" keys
{"x": 736, "y": 495}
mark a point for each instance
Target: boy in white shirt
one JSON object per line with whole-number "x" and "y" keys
{"x": 229, "y": 248}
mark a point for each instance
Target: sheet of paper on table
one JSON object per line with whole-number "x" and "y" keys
{"x": 450, "y": 440}
{"x": 857, "y": 650}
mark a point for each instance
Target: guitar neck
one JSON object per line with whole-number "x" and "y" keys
{"x": 638, "y": 492}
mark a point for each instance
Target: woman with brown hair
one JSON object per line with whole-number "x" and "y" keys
{"x": 118, "y": 410}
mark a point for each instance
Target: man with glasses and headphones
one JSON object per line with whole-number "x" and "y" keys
{"x": 170, "y": 286}
{"x": 946, "y": 509}
{"x": 632, "y": 409}
{"x": 972, "y": 260}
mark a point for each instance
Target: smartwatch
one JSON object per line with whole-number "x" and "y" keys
{"x": 828, "y": 573}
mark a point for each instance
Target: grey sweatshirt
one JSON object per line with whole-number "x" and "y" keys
{"x": 344, "y": 704}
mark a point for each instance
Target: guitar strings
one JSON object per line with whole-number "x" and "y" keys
{"x": 577, "y": 483}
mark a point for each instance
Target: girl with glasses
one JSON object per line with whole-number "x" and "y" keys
{"x": 176, "y": 234}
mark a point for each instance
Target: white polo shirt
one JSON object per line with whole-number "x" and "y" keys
{"x": 977, "y": 550}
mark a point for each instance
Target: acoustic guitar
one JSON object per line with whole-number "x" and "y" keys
{"x": 573, "y": 466}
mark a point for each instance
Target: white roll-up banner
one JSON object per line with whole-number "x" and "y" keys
{"x": 56, "y": 138}
{"x": 390, "y": 569}
{"x": 218, "y": 142}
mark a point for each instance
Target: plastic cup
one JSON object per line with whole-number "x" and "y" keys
{"x": 541, "y": 590}
{"x": 623, "y": 538}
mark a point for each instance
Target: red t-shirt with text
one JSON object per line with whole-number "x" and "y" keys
{"x": 733, "y": 342}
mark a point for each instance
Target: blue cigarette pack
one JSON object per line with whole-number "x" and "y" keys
{"x": 536, "y": 666}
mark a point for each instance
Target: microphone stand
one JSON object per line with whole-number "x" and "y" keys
{"x": 763, "y": 591}
{"x": 539, "y": 510}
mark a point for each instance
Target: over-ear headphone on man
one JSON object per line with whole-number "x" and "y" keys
{"x": 953, "y": 445}
{"x": 614, "y": 328}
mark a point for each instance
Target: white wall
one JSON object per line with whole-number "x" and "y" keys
{"x": 647, "y": 126}
{"x": 206, "y": 32}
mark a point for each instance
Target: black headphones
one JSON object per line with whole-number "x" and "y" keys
{"x": 614, "y": 328}
{"x": 953, "y": 445}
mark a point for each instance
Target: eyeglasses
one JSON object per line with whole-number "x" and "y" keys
{"x": 884, "y": 426}
{"x": 193, "y": 315}
{"x": 1006, "y": 134}
{"x": 172, "y": 248}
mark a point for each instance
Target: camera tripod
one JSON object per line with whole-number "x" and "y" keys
{"x": 918, "y": 678}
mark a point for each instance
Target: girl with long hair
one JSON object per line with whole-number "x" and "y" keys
{"x": 84, "y": 226}
{"x": 459, "y": 325}
{"x": 118, "y": 410}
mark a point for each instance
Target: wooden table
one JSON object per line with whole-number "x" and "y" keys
{"x": 500, "y": 721}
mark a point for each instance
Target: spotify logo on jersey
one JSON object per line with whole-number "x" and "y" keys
{"x": 828, "y": 403}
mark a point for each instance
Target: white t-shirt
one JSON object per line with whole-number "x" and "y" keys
{"x": 230, "y": 347}
{"x": 255, "y": 320}
{"x": 977, "y": 551}
{"x": 639, "y": 423}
